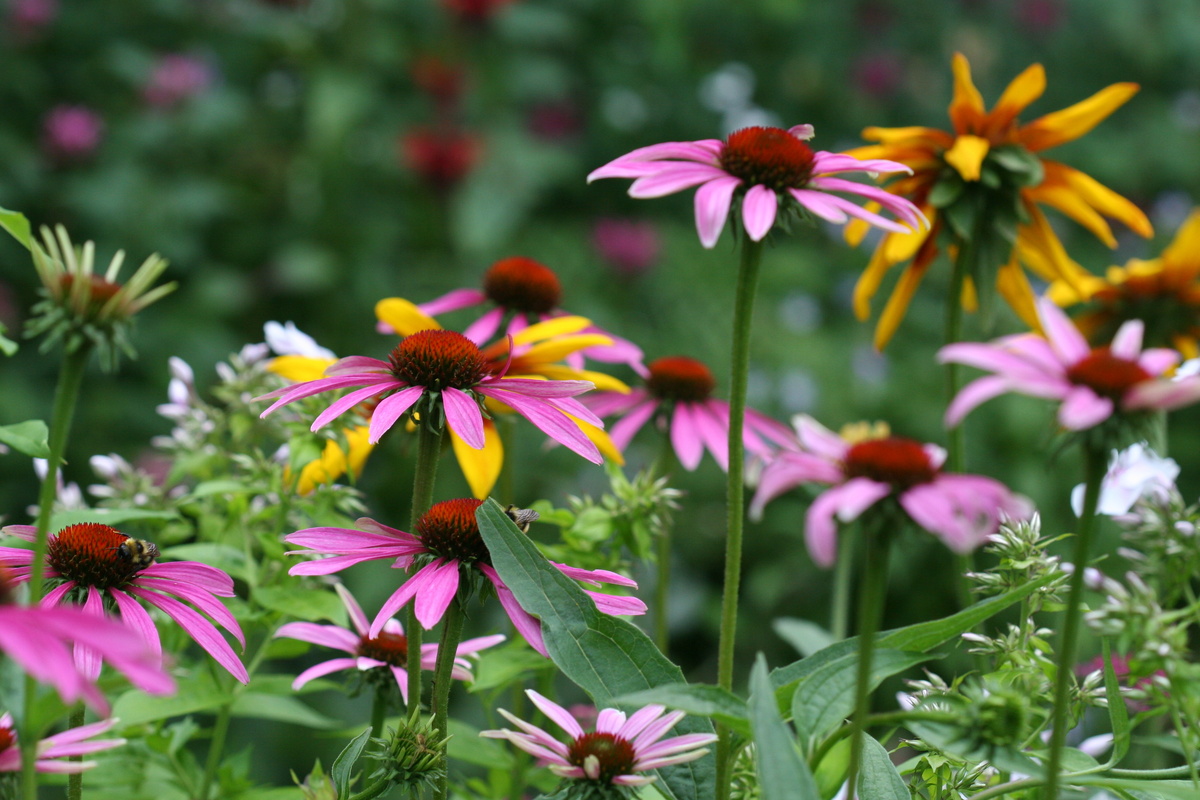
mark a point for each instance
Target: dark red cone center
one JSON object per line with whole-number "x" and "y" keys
{"x": 680, "y": 379}
{"x": 91, "y": 554}
{"x": 390, "y": 648}
{"x": 523, "y": 285}
{"x": 615, "y": 755}
{"x": 1107, "y": 375}
{"x": 7, "y": 738}
{"x": 449, "y": 530}
{"x": 768, "y": 156}
{"x": 438, "y": 359}
{"x": 900, "y": 462}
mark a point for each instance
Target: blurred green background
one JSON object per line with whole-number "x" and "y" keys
{"x": 301, "y": 160}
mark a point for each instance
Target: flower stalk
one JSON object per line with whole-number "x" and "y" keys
{"x": 452, "y": 625}
{"x": 429, "y": 444}
{"x": 662, "y": 586}
{"x": 743, "y": 312}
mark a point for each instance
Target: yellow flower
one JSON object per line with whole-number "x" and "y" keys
{"x": 985, "y": 150}
{"x": 1164, "y": 292}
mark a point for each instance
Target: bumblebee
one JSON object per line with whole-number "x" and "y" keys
{"x": 521, "y": 516}
{"x": 138, "y": 552}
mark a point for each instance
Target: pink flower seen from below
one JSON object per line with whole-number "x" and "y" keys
{"x": 1091, "y": 383}
{"x": 448, "y": 548}
{"x": 71, "y": 133}
{"x": 766, "y": 170}
{"x": 618, "y": 752}
{"x": 961, "y": 510}
{"x": 51, "y": 750}
{"x": 386, "y": 652}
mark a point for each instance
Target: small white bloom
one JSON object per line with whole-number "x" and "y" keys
{"x": 1133, "y": 473}
{"x": 287, "y": 340}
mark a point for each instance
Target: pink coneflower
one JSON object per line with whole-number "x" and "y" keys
{"x": 1092, "y": 383}
{"x": 762, "y": 168}
{"x": 961, "y": 510}
{"x": 379, "y": 656}
{"x": 522, "y": 291}
{"x": 175, "y": 78}
{"x": 71, "y": 133}
{"x": 615, "y": 753}
{"x": 447, "y": 544}
{"x": 443, "y": 374}
{"x": 631, "y": 246}
{"x": 29, "y": 17}
{"x": 69, "y": 743}
{"x": 94, "y": 564}
{"x": 37, "y": 640}
{"x": 679, "y": 391}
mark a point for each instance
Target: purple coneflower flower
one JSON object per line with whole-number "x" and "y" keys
{"x": 763, "y": 167}
{"x": 374, "y": 655}
{"x": 61, "y": 745}
{"x": 94, "y": 562}
{"x": 175, "y": 78}
{"x": 1092, "y": 383}
{"x": 451, "y": 368}
{"x": 961, "y": 510}
{"x": 71, "y": 133}
{"x": 679, "y": 390}
{"x": 615, "y": 752}
{"x": 448, "y": 540}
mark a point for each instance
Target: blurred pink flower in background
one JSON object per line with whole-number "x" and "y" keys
{"x": 878, "y": 74}
{"x": 27, "y": 18}
{"x": 1040, "y": 16}
{"x": 441, "y": 156}
{"x": 71, "y": 133}
{"x": 51, "y": 750}
{"x": 630, "y": 246}
{"x": 554, "y": 120}
{"x": 175, "y": 78}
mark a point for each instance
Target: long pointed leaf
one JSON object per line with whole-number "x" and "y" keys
{"x": 782, "y": 773}
{"x": 879, "y": 779}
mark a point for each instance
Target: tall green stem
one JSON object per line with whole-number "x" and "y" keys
{"x": 662, "y": 587}
{"x": 743, "y": 311}
{"x": 843, "y": 575}
{"x": 216, "y": 749}
{"x": 429, "y": 446}
{"x": 452, "y": 625}
{"x": 956, "y": 459}
{"x": 876, "y": 541}
{"x": 75, "y": 779}
{"x": 378, "y": 712}
{"x": 66, "y": 395}
{"x": 1094, "y": 458}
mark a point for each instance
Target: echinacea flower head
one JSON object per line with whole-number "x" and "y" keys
{"x": 92, "y": 565}
{"x": 619, "y": 752}
{"x": 1092, "y": 383}
{"x": 447, "y": 548}
{"x": 381, "y": 659}
{"x": 677, "y": 395}
{"x": 1163, "y": 292}
{"x": 53, "y": 750}
{"x": 764, "y": 170}
{"x": 961, "y": 510}
{"x": 39, "y": 638}
{"x": 442, "y": 377}
{"x": 81, "y": 306}
{"x": 979, "y": 182}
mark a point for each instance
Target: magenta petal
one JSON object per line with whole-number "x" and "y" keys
{"x": 325, "y": 635}
{"x": 787, "y": 471}
{"x": 1162, "y": 394}
{"x": 390, "y": 409}
{"x": 548, "y": 420}
{"x": 1157, "y": 360}
{"x": 484, "y": 328}
{"x": 322, "y": 669}
{"x": 373, "y": 368}
{"x": 441, "y": 586}
{"x": 846, "y": 502}
{"x": 973, "y": 394}
{"x": 1061, "y": 333}
{"x": 202, "y": 575}
{"x": 712, "y": 203}
{"x": 453, "y": 301}
{"x": 711, "y": 422}
{"x": 200, "y": 629}
{"x": 623, "y": 431}
{"x": 526, "y": 624}
{"x": 87, "y": 660}
{"x": 136, "y": 619}
{"x": 344, "y": 404}
{"x": 820, "y": 204}
{"x": 463, "y": 416}
{"x": 758, "y": 211}
{"x": 617, "y": 605}
{"x": 1082, "y": 408}
{"x": 685, "y": 439}
{"x": 672, "y": 178}
{"x": 199, "y": 598}
{"x": 1127, "y": 343}
{"x": 556, "y": 714}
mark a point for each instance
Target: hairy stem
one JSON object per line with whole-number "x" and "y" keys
{"x": 662, "y": 587}
{"x": 429, "y": 446}
{"x": 452, "y": 626}
{"x": 843, "y": 577}
{"x": 75, "y": 779}
{"x": 875, "y": 545}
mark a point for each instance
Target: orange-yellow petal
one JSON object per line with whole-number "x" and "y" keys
{"x": 551, "y": 328}
{"x": 357, "y": 439}
{"x": 1185, "y": 248}
{"x": 299, "y": 368}
{"x": 897, "y": 305}
{"x": 1023, "y": 90}
{"x": 330, "y": 466}
{"x": 1015, "y": 289}
{"x": 563, "y": 346}
{"x": 1074, "y": 121}
{"x": 1040, "y": 249}
{"x": 966, "y": 109}
{"x": 480, "y": 467}
{"x": 913, "y": 135}
{"x": 601, "y": 439}
{"x": 970, "y": 295}
{"x": 604, "y": 383}
{"x": 1099, "y": 197}
{"x": 404, "y": 317}
{"x": 967, "y": 156}
{"x": 1071, "y": 204}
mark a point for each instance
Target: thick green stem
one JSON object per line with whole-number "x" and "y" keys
{"x": 1094, "y": 467}
{"x": 66, "y": 395}
{"x": 75, "y": 779}
{"x": 955, "y": 440}
{"x": 452, "y": 626}
{"x": 429, "y": 446}
{"x": 843, "y": 577}
{"x": 216, "y": 749}
{"x": 662, "y": 587}
{"x": 378, "y": 712}
{"x": 876, "y": 541}
{"x": 743, "y": 311}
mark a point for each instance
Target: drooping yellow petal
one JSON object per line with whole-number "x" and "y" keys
{"x": 1014, "y": 287}
{"x": 854, "y": 230}
{"x": 970, "y": 295}
{"x": 604, "y": 383}
{"x": 1071, "y": 204}
{"x": 357, "y": 438}
{"x": 1023, "y": 90}
{"x": 1187, "y": 346}
{"x": 299, "y": 368}
{"x": 1039, "y": 248}
{"x": 404, "y": 317}
{"x": 897, "y": 305}
{"x": 602, "y": 440}
{"x": 1099, "y": 197}
{"x": 966, "y": 109}
{"x": 869, "y": 280}
{"x": 913, "y": 134}
{"x": 330, "y": 466}
{"x": 550, "y": 328}
{"x": 1074, "y": 121}
{"x": 560, "y": 348}
{"x": 480, "y": 467}
{"x": 1185, "y": 248}
{"x": 967, "y": 156}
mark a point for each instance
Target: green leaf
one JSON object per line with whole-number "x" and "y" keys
{"x": 694, "y": 698}
{"x": 7, "y": 346}
{"x": 782, "y": 773}
{"x": 1022, "y": 167}
{"x": 343, "y": 765}
{"x": 30, "y": 437}
{"x": 108, "y": 516}
{"x": 946, "y": 191}
{"x": 222, "y": 556}
{"x": 605, "y": 656}
{"x": 1159, "y": 790}
{"x": 826, "y": 697}
{"x": 807, "y": 637}
{"x": 15, "y": 223}
{"x": 467, "y": 745}
{"x": 1118, "y": 714}
{"x": 303, "y": 603}
{"x": 136, "y": 707}
{"x": 281, "y": 708}
{"x": 501, "y": 666}
{"x": 878, "y": 778}
{"x": 208, "y": 488}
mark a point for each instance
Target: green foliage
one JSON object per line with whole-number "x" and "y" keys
{"x": 29, "y": 437}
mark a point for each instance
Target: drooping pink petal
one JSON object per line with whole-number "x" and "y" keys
{"x": 845, "y": 502}
{"x": 595, "y": 576}
{"x": 402, "y": 595}
{"x": 714, "y": 430}
{"x": 202, "y": 575}
{"x": 453, "y": 301}
{"x": 548, "y": 420}
{"x": 301, "y": 390}
{"x": 440, "y": 588}
{"x": 347, "y": 540}
{"x": 353, "y": 610}
{"x": 608, "y": 403}
{"x": 325, "y": 635}
{"x": 855, "y": 210}
{"x": 328, "y": 566}
{"x": 538, "y": 388}
{"x": 525, "y": 623}
{"x": 198, "y": 597}
{"x": 200, "y": 629}
{"x": 323, "y": 669}
{"x": 672, "y": 178}
{"x": 758, "y": 211}
{"x": 826, "y": 163}
{"x": 137, "y": 619}
{"x": 685, "y": 439}
{"x": 463, "y": 416}
{"x": 623, "y": 431}
{"x": 344, "y": 404}
{"x": 390, "y": 409}
{"x": 617, "y": 605}
{"x": 484, "y": 328}
{"x": 907, "y": 212}
{"x": 1127, "y": 342}
{"x": 1082, "y": 408}
{"x": 87, "y": 660}
{"x": 712, "y": 203}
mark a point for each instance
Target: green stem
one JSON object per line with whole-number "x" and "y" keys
{"x": 955, "y": 440}
{"x": 216, "y": 749}
{"x": 75, "y": 780}
{"x": 662, "y": 587}
{"x": 881, "y": 720}
{"x": 66, "y": 395}
{"x": 876, "y": 542}
{"x": 378, "y": 713}
{"x": 429, "y": 446}
{"x": 1094, "y": 467}
{"x": 452, "y": 626}
{"x": 743, "y": 311}
{"x": 374, "y": 790}
{"x": 843, "y": 576}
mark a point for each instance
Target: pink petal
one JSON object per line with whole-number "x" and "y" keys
{"x": 453, "y": 301}
{"x": 87, "y": 660}
{"x": 758, "y": 211}
{"x": 1082, "y": 408}
{"x": 905, "y": 210}
{"x": 548, "y": 420}
{"x": 1166, "y": 395}
{"x": 208, "y": 577}
{"x": 826, "y": 162}
{"x": 1061, "y": 333}
{"x": 463, "y": 416}
{"x": 846, "y": 502}
{"x": 484, "y": 328}
{"x": 623, "y": 432}
{"x": 344, "y": 404}
{"x": 325, "y": 635}
{"x": 556, "y": 714}
{"x": 353, "y": 610}
{"x": 322, "y": 669}
{"x": 712, "y": 203}
{"x": 640, "y": 719}
{"x": 199, "y": 628}
{"x": 974, "y": 394}
{"x": 713, "y": 427}
{"x": 672, "y": 178}
{"x": 1127, "y": 343}
{"x": 787, "y": 471}
{"x": 536, "y": 388}
{"x": 199, "y": 598}
{"x": 609, "y": 720}
{"x": 136, "y": 619}
{"x": 435, "y": 598}
{"x": 390, "y": 409}
{"x": 830, "y": 202}
{"x": 685, "y": 438}
{"x": 617, "y": 605}
{"x": 357, "y": 365}
{"x": 526, "y": 624}
{"x": 1158, "y": 360}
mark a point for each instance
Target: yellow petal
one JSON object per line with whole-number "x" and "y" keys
{"x": 560, "y": 348}
{"x": 1015, "y": 289}
{"x": 1100, "y": 197}
{"x": 1074, "y": 121}
{"x": 1024, "y": 89}
{"x": 404, "y": 317}
{"x": 550, "y": 328}
{"x": 480, "y": 467}
{"x": 299, "y": 368}
{"x": 970, "y": 295}
{"x": 1071, "y": 204}
{"x": 357, "y": 440}
{"x": 1186, "y": 345}
{"x": 603, "y": 442}
{"x": 868, "y": 282}
{"x": 1185, "y": 249}
{"x": 1040, "y": 249}
{"x": 328, "y": 468}
{"x": 604, "y": 383}
{"x": 966, "y": 109}
{"x": 897, "y": 304}
{"x": 967, "y": 156}
{"x": 912, "y": 135}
